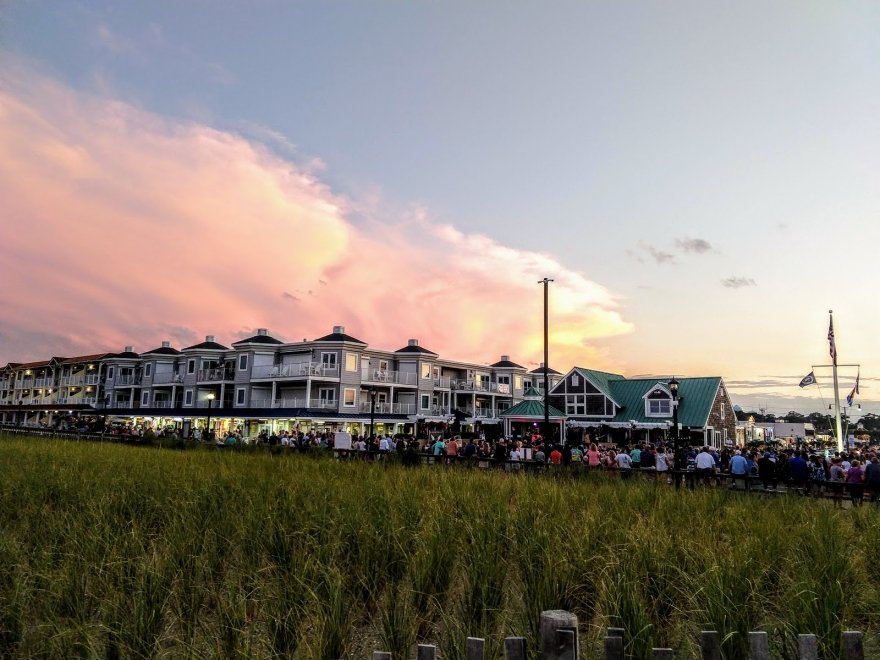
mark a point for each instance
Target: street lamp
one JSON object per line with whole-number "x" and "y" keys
{"x": 372, "y": 411}
{"x": 679, "y": 459}
{"x": 208, "y": 423}
{"x": 20, "y": 404}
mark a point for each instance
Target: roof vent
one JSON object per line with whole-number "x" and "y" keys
{"x": 338, "y": 329}
{"x": 412, "y": 342}
{"x": 129, "y": 349}
{"x": 166, "y": 344}
{"x": 262, "y": 332}
{"x": 505, "y": 358}
{"x": 209, "y": 338}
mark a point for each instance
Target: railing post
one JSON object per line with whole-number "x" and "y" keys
{"x": 759, "y": 646}
{"x": 852, "y": 645}
{"x": 474, "y": 647}
{"x": 515, "y": 648}
{"x": 662, "y": 654}
{"x": 556, "y": 646}
{"x": 426, "y": 652}
{"x": 710, "y": 645}
{"x": 808, "y": 648}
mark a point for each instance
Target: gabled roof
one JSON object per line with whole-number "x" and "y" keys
{"x": 12, "y": 365}
{"x": 341, "y": 336}
{"x": 540, "y": 370}
{"x": 33, "y": 365}
{"x": 507, "y": 364}
{"x": 85, "y": 358}
{"x": 258, "y": 339}
{"x": 207, "y": 346}
{"x": 531, "y": 408}
{"x": 696, "y": 396}
{"x": 163, "y": 350}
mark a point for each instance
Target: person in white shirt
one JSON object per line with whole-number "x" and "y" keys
{"x": 624, "y": 462}
{"x": 705, "y": 465}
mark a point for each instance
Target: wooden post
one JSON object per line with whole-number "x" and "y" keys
{"x": 808, "y": 649}
{"x": 474, "y": 648}
{"x": 852, "y": 645}
{"x": 515, "y": 648}
{"x": 426, "y": 652}
{"x": 381, "y": 655}
{"x": 554, "y": 646}
{"x": 614, "y": 648}
{"x": 710, "y": 645}
{"x": 662, "y": 654}
{"x": 615, "y": 632}
{"x": 759, "y": 646}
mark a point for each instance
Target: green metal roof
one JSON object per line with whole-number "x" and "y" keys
{"x": 696, "y": 396}
{"x": 532, "y": 392}
{"x": 602, "y": 380}
{"x": 531, "y": 408}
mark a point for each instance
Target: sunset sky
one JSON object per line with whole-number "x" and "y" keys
{"x": 701, "y": 179}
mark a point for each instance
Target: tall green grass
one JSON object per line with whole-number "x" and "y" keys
{"x": 114, "y": 551}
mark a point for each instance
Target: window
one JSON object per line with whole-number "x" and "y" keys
{"x": 240, "y": 396}
{"x": 425, "y": 402}
{"x": 575, "y": 404}
{"x": 351, "y": 362}
{"x": 518, "y": 382}
{"x": 328, "y": 360}
{"x": 722, "y": 412}
{"x": 145, "y": 398}
{"x": 383, "y": 365}
{"x": 717, "y": 440}
{"x": 191, "y": 367}
{"x": 659, "y": 407}
{"x": 110, "y": 373}
{"x": 575, "y": 380}
{"x": 426, "y": 370}
{"x": 148, "y": 369}
{"x": 188, "y": 398}
{"x": 327, "y": 395}
{"x": 242, "y": 362}
{"x": 348, "y": 394}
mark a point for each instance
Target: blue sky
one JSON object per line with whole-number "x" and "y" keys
{"x": 713, "y": 165}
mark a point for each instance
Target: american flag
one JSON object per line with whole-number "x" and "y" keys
{"x": 833, "y": 348}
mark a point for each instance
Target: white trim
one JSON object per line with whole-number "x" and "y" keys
{"x": 187, "y": 397}
{"x": 239, "y": 391}
{"x": 349, "y": 354}
{"x": 148, "y": 370}
{"x": 243, "y": 356}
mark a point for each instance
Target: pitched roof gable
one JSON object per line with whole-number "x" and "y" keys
{"x": 696, "y": 396}
{"x": 531, "y": 408}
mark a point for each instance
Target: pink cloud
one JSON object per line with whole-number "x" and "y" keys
{"x": 123, "y": 227}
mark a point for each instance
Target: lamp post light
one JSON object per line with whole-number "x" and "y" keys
{"x": 679, "y": 459}
{"x": 372, "y": 412}
{"x": 20, "y": 404}
{"x": 208, "y": 423}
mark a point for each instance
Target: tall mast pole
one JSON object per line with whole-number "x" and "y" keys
{"x": 833, "y": 348}
{"x": 546, "y": 282}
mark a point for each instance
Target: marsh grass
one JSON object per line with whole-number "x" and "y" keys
{"x": 113, "y": 551}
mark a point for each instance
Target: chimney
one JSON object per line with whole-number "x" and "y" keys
{"x": 209, "y": 338}
{"x": 505, "y": 358}
{"x": 338, "y": 329}
{"x": 412, "y": 342}
{"x": 541, "y": 367}
{"x": 262, "y": 332}
{"x": 166, "y": 344}
{"x": 129, "y": 349}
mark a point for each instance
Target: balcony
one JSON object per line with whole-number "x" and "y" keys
{"x": 324, "y": 404}
{"x": 481, "y": 386}
{"x": 388, "y": 377}
{"x": 64, "y": 381}
{"x": 299, "y": 370}
{"x": 91, "y": 380}
{"x": 61, "y": 400}
{"x": 215, "y": 375}
{"x": 386, "y": 408}
{"x": 167, "y": 379}
{"x": 162, "y": 404}
{"x": 481, "y": 413}
{"x": 42, "y": 382}
{"x": 89, "y": 400}
{"x": 444, "y": 382}
{"x": 128, "y": 379}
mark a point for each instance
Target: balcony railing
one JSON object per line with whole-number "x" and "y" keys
{"x": 42, "y": 382}
{"x": 91, "y": 379}
{"x": 298, "y": 370}
{"x": 443, "y": 382}
{"x": 389, "y": 377}
{"x": 128, "y": 379}
{"x": 163, "y": 404}
{"x": 214, "y": 375}
{"x": 481, "y": 386}
{"x": 387, "y": 408}
{"x": 61, "y": 400}
{"x": 64, "y": 381}
{"x": 324, "y": 404}
{"x": 89, "y": 400}
{"x": 167, "y": 378}
{"x": 481, "y": 413}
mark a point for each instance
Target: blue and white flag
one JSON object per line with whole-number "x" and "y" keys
{"x": 855, "y": 390}
{"x": 832, "y": 348}
{"x": 809, "y": 379}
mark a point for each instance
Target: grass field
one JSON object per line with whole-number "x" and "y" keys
{"x": 117, "y": 551}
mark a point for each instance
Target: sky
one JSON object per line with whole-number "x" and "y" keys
{"x": 700, "y": 180}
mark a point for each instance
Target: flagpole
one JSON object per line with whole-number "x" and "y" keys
{"x": 838, "y": 422}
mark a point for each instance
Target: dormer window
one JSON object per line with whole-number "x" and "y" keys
{"x": 658, "y": 403}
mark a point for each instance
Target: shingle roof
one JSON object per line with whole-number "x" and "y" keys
{"x": 207, "y": 346}
{"x": 696, "y": 396}
{"x": 258, "y": 339}
{"x": 85, "y": 358}
{"x": 507, "y": 364}
{"x": 163, "y": 350}
{"x": 532, "y": 392}
{"x": 531, "y": 408}
{"x": 540, "y": 370}
{"x": 126, "y": 355}
{"x": 33, "y": 365}
{"x": 414, "y": 349}
{"x": 341, "y": 336}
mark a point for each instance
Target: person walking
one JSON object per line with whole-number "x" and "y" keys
{"x": 855, "y": 477}
{"x": 739, "y": 470}
{"x": 705, "y": 465}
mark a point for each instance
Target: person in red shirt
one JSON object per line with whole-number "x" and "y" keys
{"x": 555, "y": 456}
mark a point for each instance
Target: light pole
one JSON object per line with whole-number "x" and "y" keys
{"x": 20, "y": 404}
{"x": 208, "y": 423}
{"x": 679, "y": 461}
{"x": 372, "y": 411}
{"x": 546, "y": 431}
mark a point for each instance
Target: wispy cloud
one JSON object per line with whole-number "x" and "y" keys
{"x": 659, "y": 256}
{"x": 695, "y": 245}
{"x": 738, "y": 282}
{"x": 252, "y": 231}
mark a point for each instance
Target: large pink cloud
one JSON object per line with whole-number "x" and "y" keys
{"x": 123, "y": 227}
